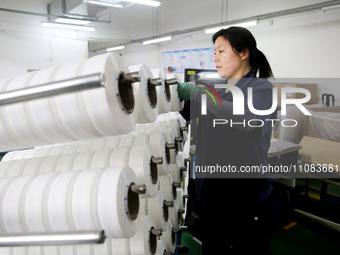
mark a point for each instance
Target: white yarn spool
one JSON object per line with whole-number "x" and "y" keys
{"x": 158, "y": 211}
{"x": 161, "y": 247}
{"x": 108, "y": 108}
{"x": 169, "y": 237}
{"x": 158, "y": 144}
{"x": 175, "y": 172}
{"x": 49, "y": 164}
{"x": 175, "y": 125}
{"x": 166, "y": 185}
{"x": 52, "y": 250}
{"x": 144, "y": 242}
{"x": 35, "y": 204}
{"x": 65, "y": 162}
{"x": 112, "y": 142}
{"x": 140, "y": 128}
{"x": 176, "y": 104}
{"x": 16, "y": 121}
{"x": 118, "y": 214}
{"x": 141, "y": 138}
{"x": 145, "y": 94}
{"x": 101, "y": 159}
{"x": 98, "y": 144}
{"x": 120, "y": 157}
{"x": 15, "y": 168}
{"x": 170, "y": 139}
{"x": 163, "y": 92}
{"x": 10, "y": 205}
{"x": 84, "y": 200}
{"x": 83, "y": 160}
{"x": 5, "y": 139}
{"x": 50, "y": 127}
{"x": 101, "y": 199}
{"x": 32, "y": 166}
{"x": 70, "y": 107}
{"x": 143, "y": 206}
{"x": 140, "y": 160}
{"x": 174, "y": 216}
{"x": 127, "y": 140}
{"x": 117, "y": 247}
{"x": 58, "y": 205}
{"x": 180, "y": 199}
{"x": 70, "y": 147}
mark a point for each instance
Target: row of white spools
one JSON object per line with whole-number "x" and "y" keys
{"x": 111, "y": 110}
{"x": 85, "y": 158}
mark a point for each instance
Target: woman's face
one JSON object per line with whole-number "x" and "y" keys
{"x": 228, "y": 63}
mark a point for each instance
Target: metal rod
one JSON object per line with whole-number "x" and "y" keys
{"x": 133, "y": 76}
{"x": 186, "y": 196}
{"x": 330, "y": 224}
{"x": 157, "y": 160}
{"x": 184, "y": 129}
{"x": 169, "y": 203}
{"x": 172, "y": 81}
{"x": 183, "y": 169}
{"x": 176, "y": 184}
{"x": 184, "y": 227}
{"x": 176, "y": 230}
{"x": 181, "y": 211}
{"x": 179, "y": 139}
{"x": 52, "y": 89}
{"x": 156, "y": 232}
{"x": 139, "y": 189}
{"x": 53, "y": 238}
{"x": 156, "y": 81}
{"x": 170, "y": 146}
{"x": 54, "y": 16}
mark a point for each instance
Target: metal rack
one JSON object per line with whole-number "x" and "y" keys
{"x": 41, "y": 91}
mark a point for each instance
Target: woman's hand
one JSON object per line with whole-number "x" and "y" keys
{"x": 188, "y": 91}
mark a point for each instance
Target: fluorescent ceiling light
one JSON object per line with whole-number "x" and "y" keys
{"x": 72, "y": 21}
{"x": 145, "y": 2}
{"x": 162, "y": 39}
{"x": 104, "y": 3}
{"x": 243, "y": 24}
{"x": 116, "y": 48}
{"x": 67, "y": 26}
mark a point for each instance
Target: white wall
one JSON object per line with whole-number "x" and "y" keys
{"x": 20, "y": 52}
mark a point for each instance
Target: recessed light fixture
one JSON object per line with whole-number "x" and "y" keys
{"x": 116, "y": 48}
{"x": 103, "y": 3}
{"x": 67, "y": 26}
{"x": 145, "y": 2}
{"x": 243, "y": 24}
{"x": 72, "y": 21}
{"x": 157, "y": 40}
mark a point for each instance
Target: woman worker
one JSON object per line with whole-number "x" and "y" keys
{"x": 235, "y": 210}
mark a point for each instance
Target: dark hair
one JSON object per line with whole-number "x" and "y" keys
{"x": 240, "y": 39}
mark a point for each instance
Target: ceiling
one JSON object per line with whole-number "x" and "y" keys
{"x": 135, "y": 22}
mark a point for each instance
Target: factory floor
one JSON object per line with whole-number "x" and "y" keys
{"x": 293, "y": 239}
{"x": 298, "y": 235}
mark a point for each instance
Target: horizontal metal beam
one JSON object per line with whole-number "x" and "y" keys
{"x": 271, "y": 15}
{"x": 330, "y": 224}
{"x": 52, "y": 89}
{"x": 52, "y": 16}
{"x": 52, "y": 238}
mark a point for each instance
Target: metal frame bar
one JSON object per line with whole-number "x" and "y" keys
{"x": 52, "y": 89}
{"x": 52, "y": 238}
